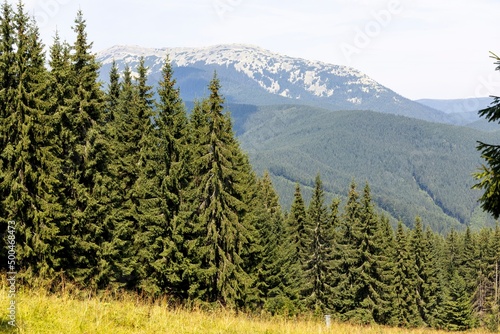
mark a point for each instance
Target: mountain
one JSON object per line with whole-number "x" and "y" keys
{"x": 413, "y": 167}
{"x": 454, "y": 106}
{"x": 251, "y": 75}
{"x": 296, "y": 118}
{"x": 463, "y": 111}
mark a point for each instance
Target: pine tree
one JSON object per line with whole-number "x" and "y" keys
{"x": 299, "y": 239}
{"x": 428, "y": 275}
{"x": 349, "y": 254}
{"x": 458, "y": 308}
{"x": 28, "y": 157}
{"x": 433, "y": 290}
{"x": 318, "y": 266}
{"x": 219, "y": 234}
{"x": 335, "y": 253}
{"x": 488, "y": 290}
{"x": 164, "y": 177}
{"x": 405, "y": 308}
{"x": 113, "y": 92}
{"x": 368, "y": 280}
{"x": 271, "y": 279}
{"x": 7, "y": 83}
{"x": 468, "y": 262}
{"x": 452, "y": 253}
{"x": 86, "y": 157}
{"x": 488, "y": 175}
{"x": 418, "y": 253}
{"x": 125, "y": 131}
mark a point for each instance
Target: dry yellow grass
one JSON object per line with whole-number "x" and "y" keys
{"x": 67, "y": 313}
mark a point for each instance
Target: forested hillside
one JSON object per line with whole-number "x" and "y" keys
{"x": 113, "y": 190}
{"x": 414, "y": 167}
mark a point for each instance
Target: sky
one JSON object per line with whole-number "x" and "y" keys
{"x": 419, "y": 48}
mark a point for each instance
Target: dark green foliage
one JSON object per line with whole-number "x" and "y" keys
{"x": 163, "y": 162}
{"x": 317, "y": 290}
{"x": 29, "y": 163}
{"x": 218, "y": 229}
{"x": 405, "y": 306}
{"x": 368, "y": 281}
{"x": 458, "y": 309}
{"x": 113, "y": 92}
{"x": 272, "y": 259}
{"x": 428, "y": 279}
{"x": 298, "y": 241}
{"x": 84, "y": 167}
{"x": 489, "y": 174}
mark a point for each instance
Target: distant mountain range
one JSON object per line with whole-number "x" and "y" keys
{"x": 296, "y": 118}
{"x": 463, "y": 111}
{"x": 251, "y": 75}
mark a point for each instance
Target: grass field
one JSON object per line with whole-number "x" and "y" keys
{"x": 71, "y": 312}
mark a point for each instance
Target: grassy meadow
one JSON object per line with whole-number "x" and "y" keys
{"x": 72, "y": 311}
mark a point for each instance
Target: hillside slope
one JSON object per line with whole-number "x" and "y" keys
{"x": 413, "y": 167}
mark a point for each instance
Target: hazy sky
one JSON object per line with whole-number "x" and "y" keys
{"x": 419, "y": 48}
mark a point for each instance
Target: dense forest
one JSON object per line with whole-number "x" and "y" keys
{"x": 115, "y": 190}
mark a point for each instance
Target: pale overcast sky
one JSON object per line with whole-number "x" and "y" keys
{"x": 419, "y": 48}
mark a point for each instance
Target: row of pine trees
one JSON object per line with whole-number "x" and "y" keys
{"x": 120, "y": 188}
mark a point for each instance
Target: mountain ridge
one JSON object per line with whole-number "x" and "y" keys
{"x": 415, "y": 164}
{"x": 253, "y": 75}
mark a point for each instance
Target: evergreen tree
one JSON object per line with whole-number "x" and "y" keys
{"x": 458, "y": 308}
{"x": 7, "y": 88}
{"x": 452, "y": 253}
{"x": 405, "y": 308}
{"x": 368, "y": 281}
{"x": 28, "y": 157}
{"x": 271, "y": 279}
{"x": 299, "y": 236}
{"x": 317, "y": 269}
{"x": 113, "y": 92}
{"x": 335, "y": 254}
{"x": 58, "y": 92}
{"x": 489, "y": 175}
{"x": 164, "y": 177}
{"x": 432, "y": 293}
{"x": 84, "y": 168}
{"x": 428, "y": 276}
{"x": 349, "y": 254}
{"x": 468, "y": 262}
{"x": 125, "y": 130}
{"x": 219, "y": 234}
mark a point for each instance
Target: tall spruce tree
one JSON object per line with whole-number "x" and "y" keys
{"x": 428, "y": 275}
{"x": 125, "y": 130}
{"x": 405, "y": 308}
{"x": 318, "y": 268}
{"x": 86, "y": 157}
{"x": 458, "y": 308}
{"x": 368, "y": 282}
{"x": 28, "y": 157}
{"x": 349, "y": 254}
{"x": 271, "y": 278}
{"x": 7, "y": 88}
{"x": 433, "y": 291}
{"x": 164, "y": 177}
{"x": 219, "y": 234}
{"x": 113, "y": 92}
{"x": 299, "y": 241}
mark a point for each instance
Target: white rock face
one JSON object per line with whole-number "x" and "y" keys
{"x": 273, "y": 72}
